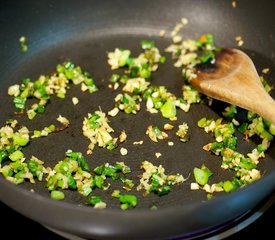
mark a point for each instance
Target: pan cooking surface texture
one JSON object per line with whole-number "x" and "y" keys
{"x": 91, "y": 54}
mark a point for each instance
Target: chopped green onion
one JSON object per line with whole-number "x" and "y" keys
{"x": 202, "y": 175}
{"x": 146, "y": 44}
{"x": 57, "y": 195}
{"x": 168, "y": 110}
{"x": 16, "y": 156}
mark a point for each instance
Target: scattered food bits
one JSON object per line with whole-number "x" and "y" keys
{"x": 184, "y": 21}
{"x": 158, "y": 154}
{"x": 122, "y": 137}
{"x": 170, "y": 143}
{"x": 75, "y": 100}
{"x": 100, "y": 205}
{"x": 63, "y": 120}
{"x": 182, "y": 132}
{"x": 239, "y": 40}
{"x": 162, "y": 33}
{"x": 138, "y": 142}
{"x": 116, "y": 86}
{"x": 97, "y": 129}
{"x": 265, "y": 70}
{"x": 123, "y": 151}
{"x": 176, "y": 29}
{"x": 113, "y": 112}
{"x": 194, "y": 186}
{"x": 84, "y": 87}
{"x": 235, "y": 122}
{"x": 173, "y": 118}
{"x": 154, "y": 179}
{"x": 177, "y": 39}
{"x": 168, "y": 127}
{"x": 155, "y": 133}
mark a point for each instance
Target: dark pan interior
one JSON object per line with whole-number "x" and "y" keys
{"x": 84, "y": 33}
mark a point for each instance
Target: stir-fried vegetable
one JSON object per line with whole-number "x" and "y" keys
{"x": 97, "y": 129}
{"x": 225, "y": 146}
{"x": 202, "y": 175}
{"x": 126, "y": 200}
{"x": 46, "y": 86}
{"x": 155, "y": 133}
{"x": 183, "y": 132}
{"x": 155, "y": 180}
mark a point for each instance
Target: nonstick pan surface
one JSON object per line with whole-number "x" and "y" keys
{"x": 83, "y": 32}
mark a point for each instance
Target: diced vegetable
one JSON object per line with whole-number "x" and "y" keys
{"x": 202, "y": 175}
{"x": 57, "y": 195}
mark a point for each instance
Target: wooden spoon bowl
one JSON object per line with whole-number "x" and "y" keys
{"x": 234, "y": 79}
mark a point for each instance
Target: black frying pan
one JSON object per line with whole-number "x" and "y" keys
{"x": 83, "y": 32}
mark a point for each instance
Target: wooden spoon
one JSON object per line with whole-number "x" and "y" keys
{"x": 234, "y": 79}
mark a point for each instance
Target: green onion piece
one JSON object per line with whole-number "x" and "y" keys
{"x": 17, "y": 166}
{"x": 7, "y": 171}
{"x": 93, "y": 124}
{"x": 134, "y": 72}
{"x": 17, "y": 155}
{"x": 267, "y": 135}
{"x": 162, "y": 59}
{"x": 72, "y": 183}
{"x": 114, "y": 78}
{"x": 202, "y": 122}
{"x": 99, "y": 181}
{"x": 127, "y": 201}
{"x": 99, "y": 169}
{"x": 116, "y": 193}
{"x": 19, "y": 140}
{"x": 228, "y": 186}
{"x": 146, "y": 44}
{"x": 145, "y": 73}
{"x": 272, "y": 129}
{"x": 57, "y": 195}
{"x": 128, "y": 184}
{"x": 168, "y": 110}
{"x": 202, "y": 175}
{"x": 163, "y": 190}
{"x": 111, "y": 145}
{"x": 206, "y": 56}
{"x": 3, "y": 155}
{"x": 230, "y": 111}
{"x": 209, "y": 196}
{"x": 243, "y": 127}
{"x": 246, "y": 163}
{"x": 95, "y": 200}
{"x": 85, "y": 190}
{"x": 77, "y": 156}
{"x": 19, "y": 102}
{"x": 35, "y": 168}
{"x": 125, "y": 54}
{"x": 230, "y": 142}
